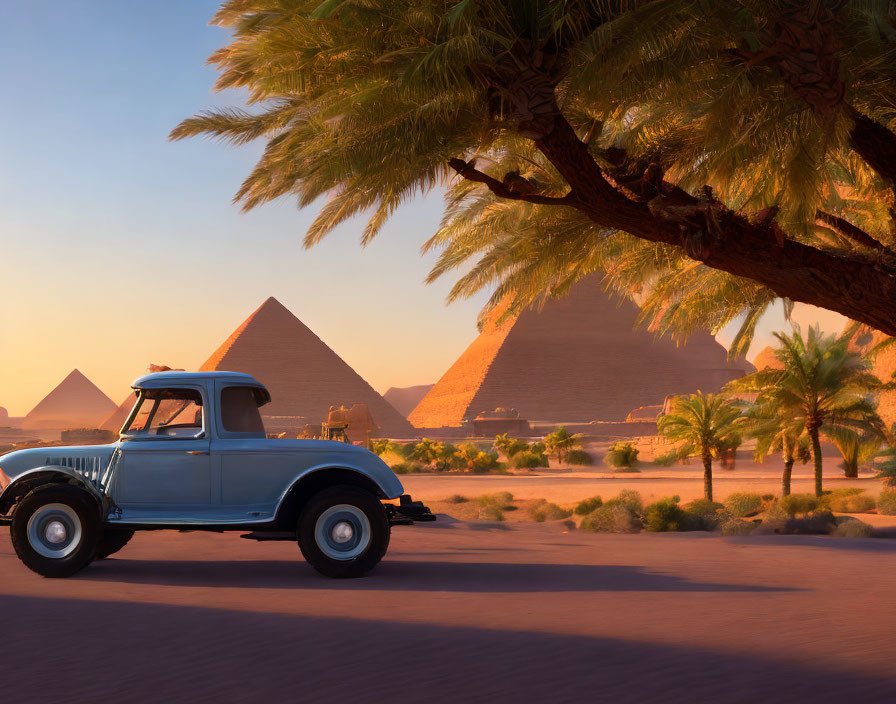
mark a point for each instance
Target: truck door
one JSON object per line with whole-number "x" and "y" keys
{"x": 165, "y": 462}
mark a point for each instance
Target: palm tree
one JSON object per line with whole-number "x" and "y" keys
{"x": 560, "y": 443}
{"x": 701, "y": 422}
{"x": 776, "y": 430}
{"x": 509, "y": 446}
{"x": 823, "y": 386}
{"x": 886, "y": 469}
{"x": 602, "y": 132}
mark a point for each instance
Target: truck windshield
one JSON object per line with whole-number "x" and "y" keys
{"x": 239, "y": 409}
{"x": 167, "y": 413}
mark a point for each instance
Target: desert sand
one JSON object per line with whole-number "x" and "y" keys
{"x": 461, "y": 612}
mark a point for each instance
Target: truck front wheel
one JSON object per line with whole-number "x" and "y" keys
{"x": 55, "y": 530}
{"x": 343, "y": 532}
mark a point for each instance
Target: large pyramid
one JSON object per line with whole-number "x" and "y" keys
{"x": 883, "y": 367}
{"x": 578, "y": 359}
{"x": 75, "y": 403}
{"x": 304, "y": 376}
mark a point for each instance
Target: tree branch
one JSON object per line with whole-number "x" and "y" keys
{"x": 875, "y": 144}
{"x": 505, "y": 190}
{"x": 847, "y": 229}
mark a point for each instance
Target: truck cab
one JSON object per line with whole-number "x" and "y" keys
{"x": 193, "y": 455}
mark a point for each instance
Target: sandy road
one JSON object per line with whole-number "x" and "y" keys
{"x": 463, "y": 613}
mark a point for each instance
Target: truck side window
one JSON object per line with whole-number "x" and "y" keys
{"x": 239, "y": 409}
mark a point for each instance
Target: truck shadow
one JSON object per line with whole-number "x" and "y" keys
{"x": 407, "y": 575}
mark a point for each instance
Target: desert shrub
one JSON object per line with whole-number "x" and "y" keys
{"x": 741, "y": 505}
{"x": 491, "y": 513}
{"x": 541, "y": 511}
{"x": 615, "y": 518}
{"x": 703, "y": 514}
{"x": 509, "y": 446}
{"x": 886, "y": 502}
{"x": 664, "y": 516}
{"x": 583, "y": 508}
{"x": 457, "y": 499}
{"x": 526, "y": 459}
{"x": 853, "y": 529}
{"x": 737, "y": 527}
{"x": 622, "y": 454}
{"x": 852, "y": 503}
{"x": 626, "y": 470}
{"x": 409, "y": 467}
{"x": 500, "y": 499}
{"x": 794, "y": 504}
{"x": 666, "y": 459}
{"x": 578, "y": 458}
{"x": 627, "y": 498}
{"x": 768, "y": 498}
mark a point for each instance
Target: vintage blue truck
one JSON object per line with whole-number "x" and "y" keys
{"x": 193, "y": 455}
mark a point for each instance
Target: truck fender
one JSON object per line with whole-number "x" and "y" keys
{"x": 42, "y": 476}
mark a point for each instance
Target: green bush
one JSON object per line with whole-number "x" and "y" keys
{"x": 615, "y": 518}
{"x": 409, "y": 467}
{"x": 852, "y": 503}
{"x": 853, "y": 529}
{"x": 500, "y": 499}
{"x": 626, "y": 470}
{"x": 702, "y": 514}
{"x": 627, "y": 498}
{"x": 622, "y": 454}
{"x": 527, "y": 459}
{"x": 457, "y": 499}
{"x": 666, "y": 459}
{"x": 741, "y": 505}
{"x": 737, "y": 527}
{"x": 583, "y": 508}
{"x": 491, "y": 513}
{"x": 795, "y": 504}
{"x": 542, "y": 510}
{"x": 578, "y": 458}
{"x": 886, "y": 502}
{"x": 664, "y": 516}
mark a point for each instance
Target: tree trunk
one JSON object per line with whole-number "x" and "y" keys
{"x": 707, "y": 473}
{"x": 816, "y": 457}
{"x": 785, "y": 478}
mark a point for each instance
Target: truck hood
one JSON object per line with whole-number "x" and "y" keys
{"x": 20, "y": 461}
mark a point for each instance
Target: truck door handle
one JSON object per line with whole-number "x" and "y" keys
{"x": 197, "y": 452}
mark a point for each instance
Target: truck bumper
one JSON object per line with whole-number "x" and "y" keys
{"x": 408, "y": 512}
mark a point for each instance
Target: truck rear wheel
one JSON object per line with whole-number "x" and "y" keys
{"x": 55, "y": 530}
{"x": 343, "y": 532}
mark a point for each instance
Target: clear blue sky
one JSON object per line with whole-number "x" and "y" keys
{"x": 120, "y": 249}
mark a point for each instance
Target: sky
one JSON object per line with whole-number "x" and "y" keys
{"x": 119, "y": 249}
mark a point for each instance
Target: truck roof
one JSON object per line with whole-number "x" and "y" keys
{"x": 157, "y": 379}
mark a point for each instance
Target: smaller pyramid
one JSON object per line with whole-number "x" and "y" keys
{"x": 767, "y": 359}
{"x": 406, "y": 398}
{"x": 75, "y": 403}
{"x": 115, "y": 420}
{"x": 883, "y": 367}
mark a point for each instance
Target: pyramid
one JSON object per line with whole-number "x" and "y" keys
{"x": 405, "y": 398}
{"x": 115, "y": 420}
{"x": 304, "y": 376}
{"x": 578, "y": 359}
{"x": 75, "y": 403}
{"x": 766, "y": 359}
{"x": 883, "y": 367}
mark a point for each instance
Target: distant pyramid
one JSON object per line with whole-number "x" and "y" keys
{"x": 405, "y": 398}
{"x": 304, "y": 376}
{"x": 767, "y": 359}
{"x": 75, "y": 403}
{"x": 883, "y": 367}
{"x": 115, "y": 420}
{"x": 578, "y": 359}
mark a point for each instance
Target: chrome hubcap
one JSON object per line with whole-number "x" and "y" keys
{"x": 342, "y": 532}
{"x": 54, "y": 531}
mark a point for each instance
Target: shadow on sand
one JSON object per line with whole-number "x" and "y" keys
{"x": 136, "y": 652}
{"x": 406, "y": 575}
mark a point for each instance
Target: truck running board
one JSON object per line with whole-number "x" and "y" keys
{"x": 264, "y": 535}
